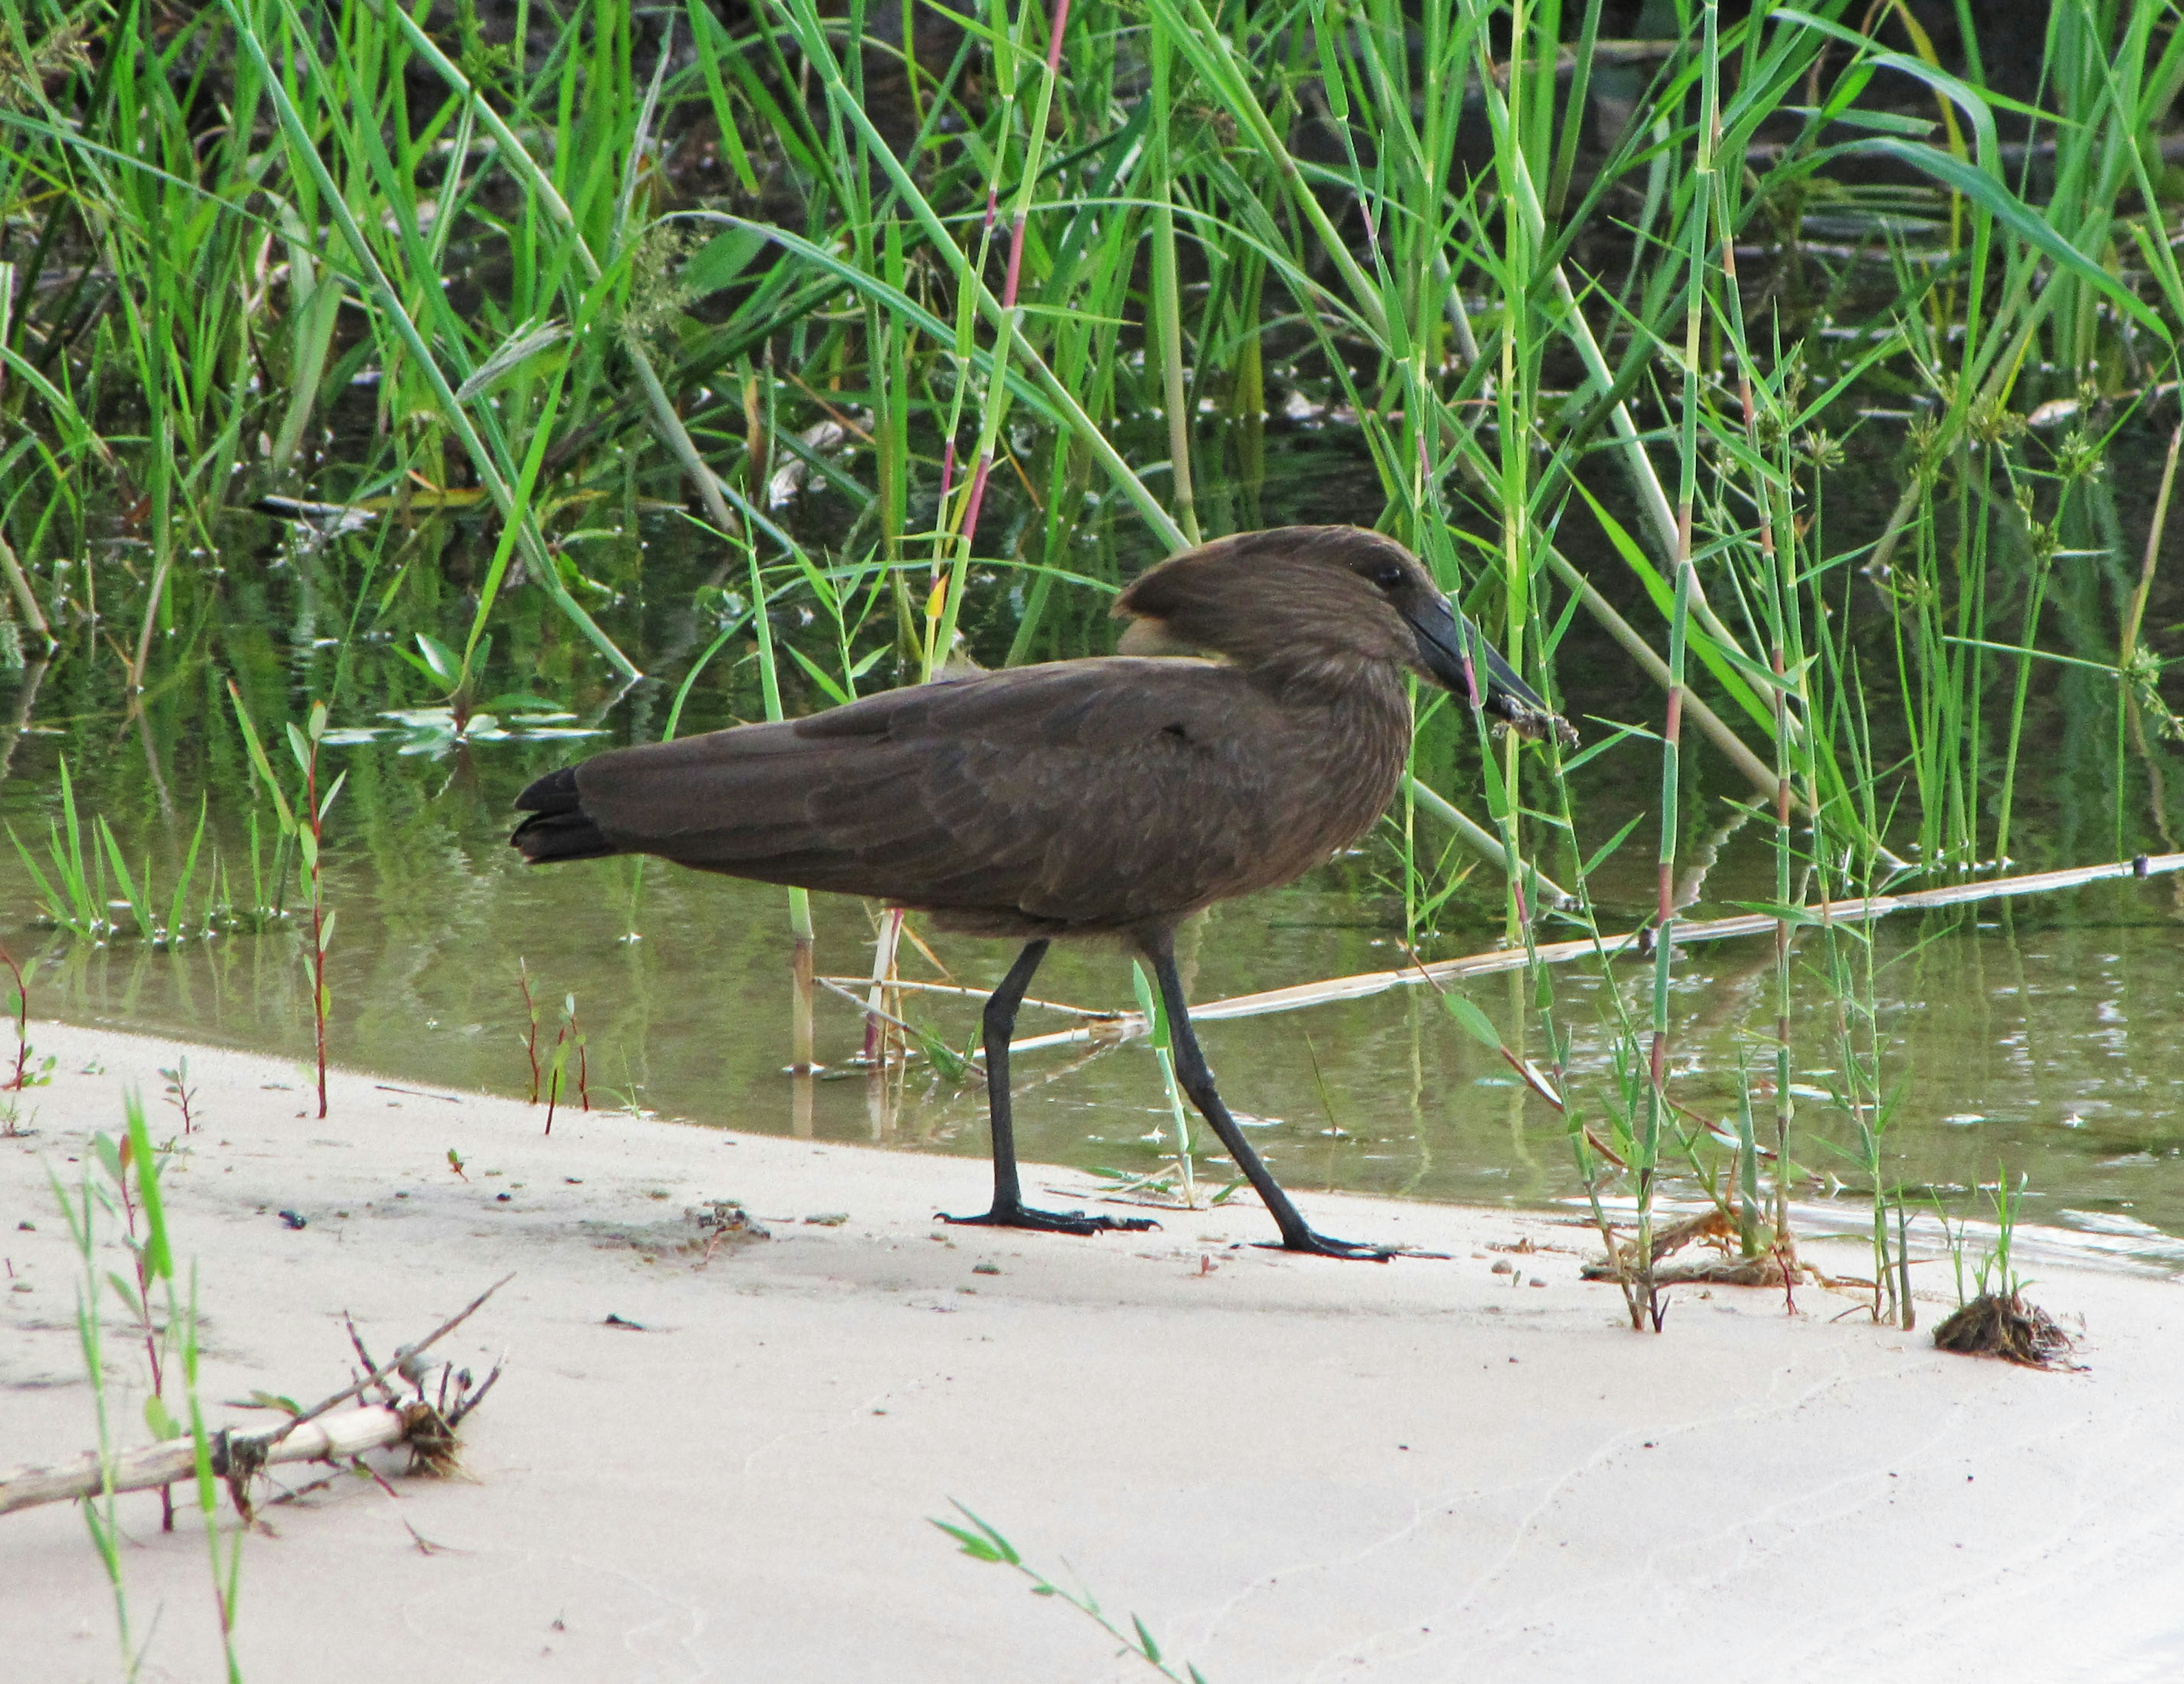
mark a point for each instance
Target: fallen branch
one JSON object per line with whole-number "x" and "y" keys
{"x": 331, "y": 1439}
{"x": 318, "y": 1434}
{"x": 1131, "y": 1025}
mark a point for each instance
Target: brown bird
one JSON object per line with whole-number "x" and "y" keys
{"x": 1109, "y": 797}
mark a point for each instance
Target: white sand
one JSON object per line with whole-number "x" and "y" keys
{"x": 1291, "y": 1469}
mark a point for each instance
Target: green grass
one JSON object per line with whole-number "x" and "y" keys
{"x": 1023, "y": 307}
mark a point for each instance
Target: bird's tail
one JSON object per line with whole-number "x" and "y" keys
{"x": 559, "y": 827}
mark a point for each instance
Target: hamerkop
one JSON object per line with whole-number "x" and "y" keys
{"x": 1110, "y": 797}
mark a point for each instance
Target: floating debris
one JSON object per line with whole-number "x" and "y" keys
{"x": 435, "y": 730}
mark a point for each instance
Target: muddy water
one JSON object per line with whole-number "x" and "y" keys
{"x": 2041, "y": 1039}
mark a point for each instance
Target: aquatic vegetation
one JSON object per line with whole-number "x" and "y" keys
{"x": 1789, "y": 394}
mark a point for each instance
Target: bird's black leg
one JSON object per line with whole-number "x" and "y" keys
{"x": 1197, "y": 1080}
{"x": 1009, "y": 1209}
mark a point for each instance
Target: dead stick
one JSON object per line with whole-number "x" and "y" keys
{"x": 333, "y": 1439}
{"x": 349, "y": 1433}
{"x": 402, "y": 1356}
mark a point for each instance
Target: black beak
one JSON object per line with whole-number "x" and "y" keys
{"x": 1458, "y": 657}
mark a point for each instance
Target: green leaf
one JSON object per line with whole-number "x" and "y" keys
{"x": 1150, "y": 1649}
{"x": 156, "y": 1255}
{"x": 2013, "y": 213}
{"x": 1609, "y": 847}
{"x": 162, "y": 1424}
{"x": 973, "y": 1546}
{"x": 126, "y": 1291}
{"x": 1149, "y": 1005}
{"x": 1776, "y": 909}
{"x": 721, "y": 259}
{"x": 259, "y": 763}
{"x": 441, "y": 661}
{"x": 1473, "y": 1021}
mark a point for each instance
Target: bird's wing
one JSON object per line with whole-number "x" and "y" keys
{"x": 1082, "y": 792}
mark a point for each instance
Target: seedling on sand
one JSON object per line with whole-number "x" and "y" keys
{"x": 1996, "y": 1320}
{"x": 981, "y": 1543}
{"x": 168, "y": 1325}
{"x": 22, "y": 1074}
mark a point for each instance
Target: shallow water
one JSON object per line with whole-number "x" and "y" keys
{"x": 2035, "y": 1037}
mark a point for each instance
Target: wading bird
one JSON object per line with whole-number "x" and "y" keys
{"x": 1109, "y": 797}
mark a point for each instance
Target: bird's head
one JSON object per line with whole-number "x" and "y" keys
{"x": 1321, "y": 607}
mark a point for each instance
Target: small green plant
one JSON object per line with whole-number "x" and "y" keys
{"x": 1996, "y": 1320}
{"x": 180, "y": 1093}
{"x": 981, "y": 1542}
{"x": 303, "y": 825}
{"x": 1155, "y": 1017}
{"x": 531, "y": 1017}
{"x": 125, "y": 1185}
{"x": 550, "y": 1076}
{"x": 1994, "y": 1272}
{"x": 23, "y": 1073}
{"x": 568, "y": 1042}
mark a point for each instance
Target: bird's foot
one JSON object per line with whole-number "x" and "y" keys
{"x": 1321, "y": 1246}
{"x": 1050, "y": 1221}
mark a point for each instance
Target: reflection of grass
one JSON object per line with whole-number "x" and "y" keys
{"x": 75, "y": 896}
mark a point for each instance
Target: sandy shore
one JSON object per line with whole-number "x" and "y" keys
{"x": 1290, "y": 1469}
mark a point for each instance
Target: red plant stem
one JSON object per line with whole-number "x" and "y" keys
{"x": 530, "y": 1010}
{"x": 21, "y": 1073}
{"x": 318, "y": 915}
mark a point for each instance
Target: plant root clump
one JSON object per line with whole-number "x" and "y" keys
{"x": 1994, "y": 1324}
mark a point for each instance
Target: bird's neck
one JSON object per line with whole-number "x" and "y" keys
{"x": 1366, "y": 692}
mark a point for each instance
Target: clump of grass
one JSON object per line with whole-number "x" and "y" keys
{"x": 2004, "y": 1324}
{"x": 1995, "y": 1319}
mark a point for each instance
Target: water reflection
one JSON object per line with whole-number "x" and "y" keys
{"x": 2044, "y": 1038}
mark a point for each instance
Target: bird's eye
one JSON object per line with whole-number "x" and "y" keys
{"x": 1390, "y": 577}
